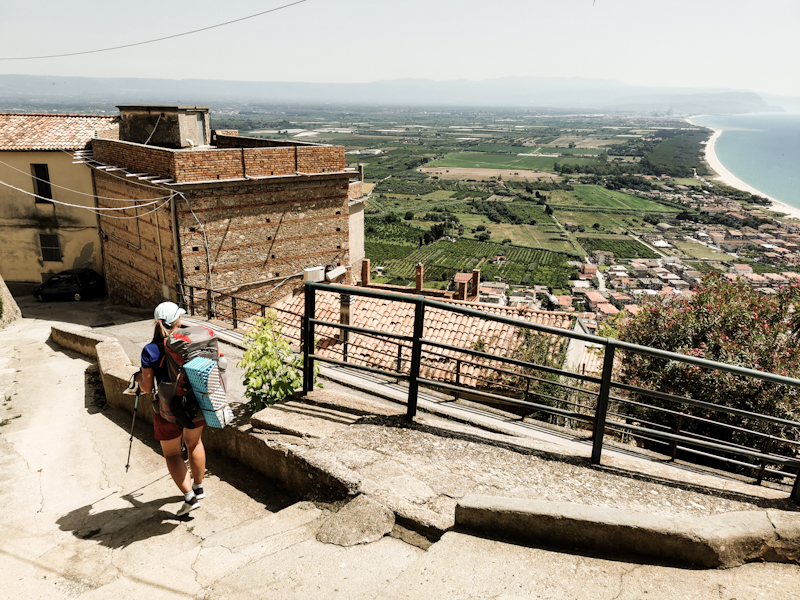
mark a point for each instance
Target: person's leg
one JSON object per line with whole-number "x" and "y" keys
{"x": 196, "y": 452}
{"x": 175, "y": 465}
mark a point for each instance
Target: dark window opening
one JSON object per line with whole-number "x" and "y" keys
{"x": 195, "y": 248}
{"x": 273, "y": 256}
{"x": 197, "y": 268}
{"x": 51, "y": 249}
{"x": 41, "y": 184}
{"x": 269, "y": 237}
{"x": 338, "y": 229}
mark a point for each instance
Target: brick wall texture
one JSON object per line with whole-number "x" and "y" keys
{"x": 186, "y": 166}
{"x": 256, "y": 230}
{"x": 132, "y": 262}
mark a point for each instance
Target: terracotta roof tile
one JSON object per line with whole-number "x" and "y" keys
{"x": 32, "y": 131}
{"x": 442, "y": 326}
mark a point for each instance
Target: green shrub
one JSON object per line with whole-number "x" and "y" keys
{"x": 272, "y": 371}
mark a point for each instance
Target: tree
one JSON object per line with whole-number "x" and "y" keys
{"x": 725, "y": 322}
{"x": 409, "y": 215}
{"x": 484, "y": 237}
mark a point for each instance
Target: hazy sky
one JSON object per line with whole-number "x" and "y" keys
{"x": 742, "y": 44}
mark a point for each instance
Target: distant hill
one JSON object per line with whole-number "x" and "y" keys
{"x": 535, "y": 93}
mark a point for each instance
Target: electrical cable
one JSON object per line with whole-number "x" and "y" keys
{"x": 161, "y": 39}
{"x": 205, "y": 238}
{"x": 76, "y": 191}
{"x": 8, "y": 185}
{"x": 158, "y": 120}
{"x": 159, "y": 207}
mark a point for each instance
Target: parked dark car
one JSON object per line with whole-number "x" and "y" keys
{"x": 75, "y": 284}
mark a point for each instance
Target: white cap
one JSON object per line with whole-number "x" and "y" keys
{"x": 168, "y": 312}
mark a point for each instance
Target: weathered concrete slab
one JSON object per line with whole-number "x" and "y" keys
{"x": 360, "y": 521}
{"x": 724, "y": 540}
{"x": 463, "y": 566}
{"x": 302, "y": 419}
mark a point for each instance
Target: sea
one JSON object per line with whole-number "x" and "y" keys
{"x": 761, "y": 149}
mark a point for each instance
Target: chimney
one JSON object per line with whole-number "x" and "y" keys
{"x": 462, "y": 290}
{"x": 476, "y": 281}
{"x": 420, "y": 269}
{"x": 365, "y": 269}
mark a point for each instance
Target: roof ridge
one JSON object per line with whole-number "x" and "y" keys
{"x": 29, "y": 114}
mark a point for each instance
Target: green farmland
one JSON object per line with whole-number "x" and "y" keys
{"x": 443, "y": 259}
{"x": 622, "y": 247}
{"x": 593, "y": 196}
{"x": 477, "y": 160}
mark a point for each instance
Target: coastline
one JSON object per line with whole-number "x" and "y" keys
{"x": 731, "y": 180}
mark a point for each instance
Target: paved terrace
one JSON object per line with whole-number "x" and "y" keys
{"x": 77, "y": 525}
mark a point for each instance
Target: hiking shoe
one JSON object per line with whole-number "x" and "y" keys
{"x": 198, "y": 491}
{"x": 133, "y": 388}
{"x": 188, "y": 507}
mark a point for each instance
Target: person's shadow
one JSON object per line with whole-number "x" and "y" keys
{"x": 121, "y": 527}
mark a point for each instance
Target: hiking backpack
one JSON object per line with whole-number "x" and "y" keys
{"x": 176, "y": 391}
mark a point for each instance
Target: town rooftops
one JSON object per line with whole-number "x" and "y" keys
{"x": 461, "y": 331}
{"x": 38, "y": 131}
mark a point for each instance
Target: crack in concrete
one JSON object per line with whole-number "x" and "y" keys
{"x": 622, "y": 580}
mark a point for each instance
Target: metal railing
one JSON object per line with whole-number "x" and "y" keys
{"x": 597, "y": 402}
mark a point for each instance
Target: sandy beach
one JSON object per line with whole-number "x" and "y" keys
{"x": 730, "y": 179}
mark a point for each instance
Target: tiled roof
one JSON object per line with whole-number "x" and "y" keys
{"x": 441, "y": 326}
{"x": 31, "y": 131}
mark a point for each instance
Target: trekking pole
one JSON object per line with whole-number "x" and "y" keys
{"x": 133, "y": 422}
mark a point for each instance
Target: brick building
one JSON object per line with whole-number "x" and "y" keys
{"x": 219, "y": 211}
{"x": 45, "y": 222}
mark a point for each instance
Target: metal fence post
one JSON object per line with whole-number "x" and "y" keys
{"x": 179, "y": 294}
{"x": 210, "y": 301}
{"x": 458, "y": 377}
{"x": 399, "y": 360}
{"x": 677, "y": 430}
{"x": 191, "y": 300}
{"x": 308, "y": 339}
{"x": 416, "y": 358}
{"x": 602, "y": 403}
{"x": 795, "y": 495}
{"x": 234, "y": 319}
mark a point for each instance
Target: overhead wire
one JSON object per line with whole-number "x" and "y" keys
{"x": 8, "y": 185}
{"x": 161, "y": 39}
{"x": 61, "y": 187}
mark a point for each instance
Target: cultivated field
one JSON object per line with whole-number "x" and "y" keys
{"x": 476, "y": 174}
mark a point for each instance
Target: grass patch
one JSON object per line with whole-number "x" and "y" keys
{"x": 621, "y": 247}
{"x": 477, "y": 160}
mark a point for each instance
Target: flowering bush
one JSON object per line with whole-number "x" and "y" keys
{"x": 725, "y": 322}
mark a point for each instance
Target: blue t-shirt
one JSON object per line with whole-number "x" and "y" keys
{"x": 151, "y": 359}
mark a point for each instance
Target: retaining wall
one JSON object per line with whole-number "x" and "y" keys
{"x": 303, "y": 476}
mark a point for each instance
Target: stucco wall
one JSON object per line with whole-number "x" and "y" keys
{"x": 22, "y": 219}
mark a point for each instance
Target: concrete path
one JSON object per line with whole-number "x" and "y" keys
{"x": 76, "y": 525}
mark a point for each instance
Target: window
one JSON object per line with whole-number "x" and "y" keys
{"x": 41, "y": 183}
{"x": 51, "y": 249}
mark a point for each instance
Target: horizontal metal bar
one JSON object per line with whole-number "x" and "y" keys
{"x": 341, "y": 363}
{"x": 731, "y": 461}
{"x": 506, "y": 399}
{"x": 371, "y": 332}
{"x": 586, "y": 337}
{"x": 358, "y": 291}
{"x": 709, "y": 364}
{"x": 512, "y": 361}
{"x": 704, "y": 444}
{"x": 701, "y": 404}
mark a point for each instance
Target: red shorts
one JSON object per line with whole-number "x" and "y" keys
{"x": 166, "y": 431}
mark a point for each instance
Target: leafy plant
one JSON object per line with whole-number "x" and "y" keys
{"x": 725, "y": 322}
{"x": 272, "y": 371}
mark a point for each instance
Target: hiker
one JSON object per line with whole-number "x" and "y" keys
{"x": 167, "y": 430}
